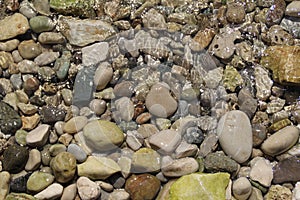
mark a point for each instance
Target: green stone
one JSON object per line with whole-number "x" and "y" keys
{"x": 39, "y": 181}
{"x": 21, "y": 137}
{"x": 145, "y": 160}
{"x": 63, "y": 166}
{"x": 200, "y": 186}
{"x": 20, "y": 196}
{"x": 232, "y": 78}
{"x": 40, "y": 24}
{"x": 74, "y": 7}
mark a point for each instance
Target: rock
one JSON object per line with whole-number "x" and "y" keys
{"x": 20, "y": 137}
{"x": 278, "y": 192}
{"x": 275, "y": 12}
{"x": 88, "y": 189}
{"x": 82, "y": 32}
{"x": 165, "y": 141}
{"x": 241, "y": 188}
{"x": 235, "y": 13}
{"x": 206, "y": 186}
{"x": 15, "y": 158}
{"x": 13, "y": 196}
{"x": 143, "y": 186}
{"x": 55, "y": 149}
{"x": 159, "y": 101}
{"x": 124, "y": 89}
{"x": 102, "y": 135}
{"x": 247, "y": 103}
{"x": 292, "y": 26}
{"x": 34, "y": 160}
{"x": 279, "y": 36}
{"x": 103, "y": 75}
{"x": 74, "y": 7}
{"x": 287, "y": 170}
{"x": 40, "y": 24}
{"x": 232, "y": 78}
{"x": 46, "y": 58}
{"x": 180, "y": 167}
{"x": 193, "y": 135}
{"x": 51, "y": 38}
{"x": 283, "y": 61}
{"x": 281, "y": 141}
{"x": 75, "y": 124}
{"x": 18, "y": 184}
{"x": 51, "y": 114}
{"x": 29, "y": 49}
{"x": 256, "y": 194}
{"x": 38, "y": 181}
{"x": 218, "y": 161}
{"x": 145, "y": 160}
{"x": 126, "y": 108}
{"x": 53, "y": 191}
{"x": 9, "y": 45}
{"x": 261, "y": 171}
{"x": 293, "y": 9}
{"x": 96, "y": 167}
{"x": 296, "y": 191}
{"x": 153, "y": 19}
{"x": 78, "y": 152}
{"x": 204, "y": 37}
{"x": 16, "y": 25}
{"x": 95, "y": 53}
{"x": 119, "y": 194}
{"x": 28, "y": 66}
{"x": 38, "y": 136}
{"x": 98, "y": 106}
{"x": 10, "y": 120}
{"x": 185, "y": 150}
{"x": 4, "y": 184}
{"x": 69, "y": 192}
{"x": 30, "y": 122}
{"x": 63, "y": 166}
{"x": 235, "y": 135}
{"x": 263, "y": 83}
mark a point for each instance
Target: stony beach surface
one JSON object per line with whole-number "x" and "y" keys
{"x": 150, "y": 99}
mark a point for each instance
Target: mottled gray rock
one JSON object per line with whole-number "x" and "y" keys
{"x": 10, "y": 120}
{"x": 261, "y": 171}
{"x": 241, "y": 188}
{"x": 94, "y": 53}
{"x": 46, "y": 58}
{"x": 38, "y": 136}
{"x": 218, "y": 161}
{"x": 53, "y": 191}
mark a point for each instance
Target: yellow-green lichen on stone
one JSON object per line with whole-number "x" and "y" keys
{"x": 200, "y": 186}
{"x": 74, "y": 7}
{"x": 231, "y": 78}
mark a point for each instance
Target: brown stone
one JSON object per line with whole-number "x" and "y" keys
{"x": 287, "y": 170}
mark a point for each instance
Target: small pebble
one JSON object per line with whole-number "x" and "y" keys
{"x": 15, "y": 158}
{"x": 38, "y": 136}
{"x": 29, "y": 49}
{"x": 241, "y": 188}
{"x": 4, "y": 184}
{"x": 78, "y": 152}
{"x": 180, "y": 167}
{"x": 75, "y": 124}
{"x": 38, "y": 181}
{"x": 103, "y": 75}
{"x": 261, "y": 171}
{"x": 88, "y": 189}
{"x": 145, "y": 160}
{"x": 34, "y": 160}
{"x": 63, "y": 166}
{"x": 69, "y": 192}
{"x": 53, "y": 191}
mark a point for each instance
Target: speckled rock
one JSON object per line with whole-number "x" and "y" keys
{"x": 40, "y": 24}
{"x": 287, "y": 170}
{"x": 10, "y": 120}
{"x": 261, "y": 171}
{"x": 74, "y": 7}
{"x": 204, "y": 37}
{"x": 16, "y": 24}
{"x": 51, "y": 38}
{"x": 143, "y": 186}
{"x": 292, "y": 26}
{"x": 263, "y": 83}
{"x": 53, "y": 191}
{"x": 231, "y": 78}
{"x": 51, "y": 114}
{"x": 180, "y": 167}
{"x": 145, "y": 160}
{"x": 206, "y": 186}
{"x": 278, "y": 192}
{"x": 235, "y": 13}
{"x": 38, "y": 136}
{"x": 29, "y": 49}
{"x": 218, "y": 161}
{"x": 4, "y": 184}
{"x": 88, "y": 189}
{"x": 18, "y": 184}
{"x": 39, "y": 181}
{"x": 241, "y": 188}
{"x": 6, "y": 59}
{"x": 63, "y": 166}
{"x": 46, "y": 58}
{"x": 15, "y": 158}
{"x": 94, "y": 53}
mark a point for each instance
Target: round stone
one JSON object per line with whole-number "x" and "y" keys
{"x": 87, "y": 189}
{"x": 40, "y": 24}
{"x": 126, "y": 108}
{"x": 145, "y": 160}
{"x": 143, "y": 186}
{"x": 102, "y": 135}
{"x": 78, "y": 152}
{"x": 39, "y": 181}
{"x": 29, "y": 49}
{"x": 15, "y": 158}
{"x": 103, "y": 75}
{"x": 241, "y": 188}
{"x": 10, "y": 120}
{"x": 98, "y": 106}
{"x": 63, "y": 166}
{"x": 235, "y": 13}
{"x": 75, "y": 124}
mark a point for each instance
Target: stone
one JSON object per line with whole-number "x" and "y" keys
{"x": 241, "y": 188}
{"x": 281, "y": 141}
{"x": 124, "y": 89}
{"x": 286, "y": 170}
{"x": 166, "y": 141}
{"x": 9, "y": 45}
{"x": 38, "y": 136}
{"x": 279, "y": 36}
{"x": 87, "y": 189}
{"x": 159, "y": 101}
{"x": 143, "y": 186}
{"x": 31, "y": 85}
{"x": 63, "y": 166}
{"x": 102, "y": 135}
{"x": 15, "y": 158}
{"x": 28, "y": 66}
{"x": 98, "y": 106}
{"x": 261, "y": 171}
{"x": 180, "y": 167}
{"x": 256, "y": 194}
{"x": 145, "y": 160}
{"x": 30, "y": 122}
{"x": 235, "y": 13}
{"x": 235, "y": 135}
{"x": 69, "y": 192}
{"x": 74, "y": 7}
{"x": 185, "y": 149}
{"x": 96, "y": 168}
{"x": 6, "y": 59}
{"x": 17, "y": 24}
{"x": 52, "y": 114}
{"x": 27, "y": 109}
{"x": 4, "y": 184}
{"x": 29, "y": 49}
{"x": 10, "y": 120}
{"x": 13, "y": 196}
{"x": 204, "y": 37}
{"x": 155, "y": 20}
{"x": 78, "y": 152}
{"x": 38, "y": 181}
{"x": 119, "y": 194}
{"x": 82, "y": 32}
{"x": 126, "y": 108}
{"x": 53, "y": 191}
{"x": 18, "y": 184}
{"x": 247, "y": 103}
{"x": 218, "y": 161}
{"x": 103, "y": 75}
{"x": 293, "y": 9}
{"x": 296, "y": 191}
{"x": 206, "y": 186}
{"x": 40, "y": 24}
{"x": 51, "y": 38}
{"x": 291, "y": 25}
{"x": 34, "y": 160}
{"x": 278, "y": 192}
{"x": 20, "y": 137}
{"x": 62, "y": 65}
{"x": 46, "y": 58}
{"x": 231, "y": 78}
{"x": 95, "y": 53}
{"x": 283, "y": 61}
{"x": 55, "y": 149}
{"x": 263, "y": 83}
{"x": 75, "y": 124}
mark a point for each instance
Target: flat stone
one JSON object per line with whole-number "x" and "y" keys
{"x": 53, "y": 191}
{"x": 218, "y": 161}
{"x": 287, "y": 170}
{"x": 241, "y": 188}
{"x": 281, "y": 141}
{"x": 293, "y": 9}
{"x": 46, "y": 58}
{"x": 69, "y": 192}
{"x": 75, "y": 124}
{"x": 13, "y": 196}
{"x": 145, "y": 160}
{"x": 34, "y": 160}
{"x": 38, "y": 136}
{"x": 16, "y": 24}
{"x": 95, "y": 53}
{"x": 87, "y": 189}
{"x": 51, "y": 38}
{"x": 27, "y": 109}
{"x": 82, "y": 32}
{"x": 15, "y": 158}
{"x": 180, "y": 167}
{"x": 4, "y": 184}
{"x": 206, "y": 186}
{"x": 261, "y": 171}
{"x": 96, "y": 168}
{"x": 103, "y": 75}
{"x": 10, "y": 120}
{"x": 235, "y": 135}
{"x": 38, "y": 181}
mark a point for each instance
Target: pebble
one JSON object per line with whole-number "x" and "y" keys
{"x": 95, "y": 53}
{"x": 286, "y": 170}
{"x": 16, "y": 24}
{"x": 159, "y": 101}
{"x": 123, "y": 89}
{"x": 46, "y": 58}
{"x": 98, "y": 106}
{"x": 27, "y": 9}
{"x": 28, "y": 67}
{"x": 52, "y": 114}
{"x": 55, "y": 149}
{"x": 259, "y": 133}
{"x": 145, "y": 160}
{"x": 143, "y": 186}
{"x": 126, "y": 108}
{"x": 30, "y": 122}
{"x": 63, "y": 166}
{"x": 292, "y": 26}
{"x": 34, "y": 160}
{"x": 10, "y": 120}
{"x": 256, "y": 194}
{"x": 78, "y": 152}
{"x": 53, "y": 191}
{"x": 4, "y": 184}
{"x": 261, "y": 171}
{"x": 77, "y": 8}
{"x": 67, "y": 96}
{"x": 235, "y": 135}
{"x": 180, "y": 167}
{"x": 125, "y": 165}
{"x": 235, "y": 13}
{"x": 134, "y": 140}
{"x": 153, "y": 19}
{"x": 278, "y": 192}
{"x": 38, "y": 181}
{"x": 204, "y": 37}
{"x": 69, "y": 192}
{"x": 38, "y": 136}
{"x": 166, "y": 141}
{"x": 232, "y": 78}
{"x": 102, "y": 135}
{"x": 75, "y": 124}
{"x": 27, "y": 109}
{"x": 296, "y": 191}
{"x": 218, "y": 161}
{"x": 119, "y": 194}
{"x": 15, "y": 158}
{"x": 9, "y": 45}
{"x": 51, "y": 38}
{"x": 40, "y": 24}
{"x": 20, "y": 137}
{"x": 29, "y": 49}
{"x": 185, "y": 150}
{"x": 18, "y": 184}
{"x": 13, "y": 196}
{"x": 281, "y": 141}
{"x": 88, "y": 189}
{"x": 96, "y": 168}
{"x": 241, "y": 188}
{"x": 103, "y": 75}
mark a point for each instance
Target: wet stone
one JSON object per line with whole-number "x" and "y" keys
{"x": 193, "y": 135}
{"x": 40, "y": 24}
{"x": 51, "y": 114}
{"x": 78, "y": 152}
{"x": 103, "y": 75}
{"x": 218, "y": 161}
{"x": 292, "y": 26}
{"x": 39, "y": 181}
{"x": 38, "y": 136}
{"x": 94, "y": 53}
{"x": 75, "y": 124}
{"x": 10, "y": 120}
{"x": 15, "y": 158}
{"x": 263, "y": 83}
{"x": 77, "y": 7}
{"x": 145, "y": 160}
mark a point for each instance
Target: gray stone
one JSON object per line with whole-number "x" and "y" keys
{"x": 88, "y": 189}
{"x": 103, "y": 75}
{"x": 51, "y": 38}
{"x": 34, "y": 160}
{"x": 261, "y": 171}
{"x": 53, "y": 191}
{"x": 78, "y": 152}
{"x": 38, "y": 136}
{"x": 180, "y": 167}
{"x": 241, "y": 188}
{"x": 46, "y": 58}
{"x": 126, "y": 108}
{"x": 293, "y": 9}
{"x": 94, "y": 53}
{"x": 218, "y": 161}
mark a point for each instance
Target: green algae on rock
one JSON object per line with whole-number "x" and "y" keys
{"x": 74, "y": 7}
{"x": 284, "y": 61}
